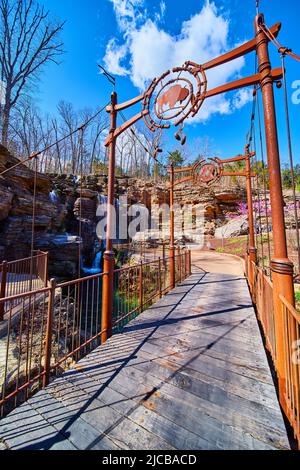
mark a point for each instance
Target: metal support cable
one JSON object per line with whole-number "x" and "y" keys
{"x": 58, "y": 141}
{"x": 141, "y": 143}
{"x": 278, "y": 45}
{"x": 291, "y": 155}
{"x": 264, "y": 177}
{"x": 258, "y": 199}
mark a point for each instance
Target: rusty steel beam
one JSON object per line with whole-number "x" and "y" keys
{"x": 281, "y": 266}
{"x": 127, "y": 104}
{"x": 235, "y": 159}
{"x": 182, "y": 170}
{"x": 124, "y": 126}
{"x": 238, "y": 173}
{"x": 183, "y": 180}
{"x": 240, "y": 51}
{"x": 109, "y": 259}
{"x": 275, "y": 75}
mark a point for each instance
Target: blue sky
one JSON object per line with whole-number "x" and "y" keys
{"x": 102, "y": 31}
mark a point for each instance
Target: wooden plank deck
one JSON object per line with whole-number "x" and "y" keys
{"x": 189, "y": 373}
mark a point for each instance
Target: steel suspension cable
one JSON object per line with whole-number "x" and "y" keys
{"x": 141, "y": 143}
{"x": 277, "y": 44}
{"x": 252, "y": 141}
{"x": 287, "y": 115}
{"x": 58, "y": 141}
{"x": 264, "y": 177}
{"x": 258, "y": 199}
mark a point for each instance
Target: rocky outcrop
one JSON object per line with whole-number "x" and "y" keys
{"x": 64, "y": 201}
{"x": 234, "y": 228}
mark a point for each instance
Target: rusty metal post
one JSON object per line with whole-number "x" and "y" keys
{"x": 48, "y": 339}
{"x": 109, "y": 259}
{"x": 159, "y": 278}
{"x": 186, "y": 264}
{"x": 281, "y": 266}
{"x": 172, "y": 234}
{"x": 190, "y": 262}
{"x": 252, "y": 252}
{"x": 141, "y": 296}
{"x": 3, "y": 288}
{"x": 179, "y": 262}
{"x": 46, "y": 268}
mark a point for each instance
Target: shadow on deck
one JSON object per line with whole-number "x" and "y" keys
{"x": 189, "y": 373}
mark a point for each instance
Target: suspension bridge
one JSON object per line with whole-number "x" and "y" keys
{"x": 164, "y": 354}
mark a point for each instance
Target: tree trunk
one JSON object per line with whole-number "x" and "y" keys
{"x": 5, "y": 125}
{"x": 6, "y": 117}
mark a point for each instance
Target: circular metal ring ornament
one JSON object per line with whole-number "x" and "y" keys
{"x": 207, "y": 172}
{"x": 174, "y": 96}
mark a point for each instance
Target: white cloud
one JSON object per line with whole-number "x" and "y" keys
{"x": 161, "y": 13}
{"x": 129, "y": 13}
{"x": 242, "y": 97}
{"x": 148, "y": 50}
{"x": 114, "y": 56}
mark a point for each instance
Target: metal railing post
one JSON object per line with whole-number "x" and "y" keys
{"x": 159, "y": 278}
{"x": 141, "y": 299}
{"x": 164, "y": 251}
{"x": 48, "y": 339}
{"x": 186, "y": 264}
{"x": 3, "y": 289}
{"x": 189, "y": 262}
{"x": 46, "y": 267}
{"x": 179, "y": 262}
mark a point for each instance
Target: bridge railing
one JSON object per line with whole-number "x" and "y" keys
{"x": 59, "y": 324}
{"x": 23, "y": 275}
{"x": 288, "y": 353}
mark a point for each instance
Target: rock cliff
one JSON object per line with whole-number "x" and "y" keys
{"x": 62, "y": 200}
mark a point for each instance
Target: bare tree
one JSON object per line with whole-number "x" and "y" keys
{"x": 28, "y": 41}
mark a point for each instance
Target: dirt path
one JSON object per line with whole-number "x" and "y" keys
{"x": 213, "y": 262}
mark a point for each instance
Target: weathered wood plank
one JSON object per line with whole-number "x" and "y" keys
{"x": 189, "y": 373}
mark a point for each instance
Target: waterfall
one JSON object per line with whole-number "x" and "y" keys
{"x": 54, "y": 198}
{"x": 96, "y": 267}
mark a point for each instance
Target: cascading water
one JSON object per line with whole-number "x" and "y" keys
{"x": 54, "y": 198}
{"x": 96, "y": 267}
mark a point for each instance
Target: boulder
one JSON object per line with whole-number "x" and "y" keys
{"x": 85, "y": 207}
{"x": 87, "y": 193}
{"x": 232, "y": 229}
{"x": 22, "y": 175}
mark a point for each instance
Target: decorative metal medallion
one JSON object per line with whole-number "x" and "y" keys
{"x": 173, "y": 97}
{"x": 207, "y": 172}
